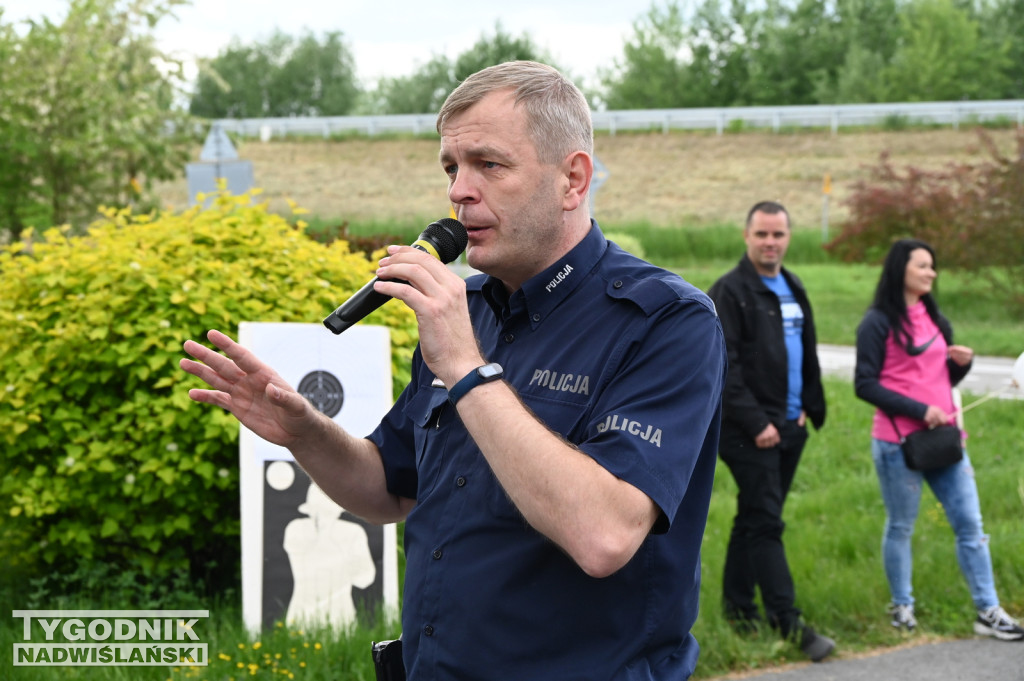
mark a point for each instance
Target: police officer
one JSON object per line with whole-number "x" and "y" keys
{"x": 554, "y": 451}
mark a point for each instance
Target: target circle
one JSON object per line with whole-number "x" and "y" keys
{"x": 324, "y": 391}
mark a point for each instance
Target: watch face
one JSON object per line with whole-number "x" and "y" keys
{"x": 489, "y": 371}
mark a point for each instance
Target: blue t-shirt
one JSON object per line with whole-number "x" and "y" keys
{"x": 627, "y": 362}
{"x": 792, "y": 330}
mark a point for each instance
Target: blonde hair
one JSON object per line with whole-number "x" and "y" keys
{"x": 557, "y": 115}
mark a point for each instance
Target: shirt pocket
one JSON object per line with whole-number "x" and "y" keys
{"x": 564, "y": 416}
{"x": 431, "y": 415}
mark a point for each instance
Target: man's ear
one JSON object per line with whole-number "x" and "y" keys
{"x": 579, "y": 169}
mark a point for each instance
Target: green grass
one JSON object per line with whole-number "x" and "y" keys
{"x": 686, "y": 247}
{"x": 834, "y": 519}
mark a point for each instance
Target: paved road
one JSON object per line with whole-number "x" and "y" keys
{"x": 976, "y": 659}
{"x": 988, "y": 374}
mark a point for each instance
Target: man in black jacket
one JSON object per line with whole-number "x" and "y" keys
{"x": 773, "y": 388}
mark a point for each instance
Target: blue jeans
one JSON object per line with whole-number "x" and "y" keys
{"x": 955, "y": 488}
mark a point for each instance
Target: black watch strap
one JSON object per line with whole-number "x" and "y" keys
{"x": 480, "y": 375}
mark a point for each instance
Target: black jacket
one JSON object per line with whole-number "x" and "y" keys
{"x": 756, "y": 386}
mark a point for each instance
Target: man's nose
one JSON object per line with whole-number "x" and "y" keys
{"x": 463, "y": 189}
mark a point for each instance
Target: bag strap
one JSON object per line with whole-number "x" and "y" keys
{"x": 896, "y": 428}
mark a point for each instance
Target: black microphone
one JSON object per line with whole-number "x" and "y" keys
{"x": 443, "y": 239}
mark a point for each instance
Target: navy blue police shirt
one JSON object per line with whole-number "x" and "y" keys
{"x": 627, "y": 362}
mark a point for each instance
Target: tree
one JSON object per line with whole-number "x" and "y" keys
{"x": 867, "y": 34}
{"x": 790, "y": 50}
{"x": 420, "y": 92}
{"x": 938, "y": 58}
{"x": 653, "y": 72}
{"x": 17, "y": 203}
{"x": 233, "y": 85}
{"x": 782, "y": 52}
{"x": 86, "y": 114}
{"x": 1001, "y": 24}
{"x": 719, "y": 66}
{"x": 424, "y": 91}
{"x": 770, "y": 55}
{"x": 284, "y": 76}
{"x": 317, "y": 79}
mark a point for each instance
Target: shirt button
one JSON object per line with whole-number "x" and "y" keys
{"x": 617, "y": 284}
{"x": 509, "y": 337}
{"x": 460, "y": 481}
{"x": 536, "y": 317}
{"x": 428, "y": 630}
{"x": 437, "y": 554}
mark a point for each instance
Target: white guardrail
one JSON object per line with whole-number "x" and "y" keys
{"x": 720, "y": 119}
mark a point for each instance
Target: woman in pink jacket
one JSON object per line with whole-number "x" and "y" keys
{"x": 907, "y": 366}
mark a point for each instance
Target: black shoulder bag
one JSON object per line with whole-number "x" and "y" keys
{"x": 924, "y": 450}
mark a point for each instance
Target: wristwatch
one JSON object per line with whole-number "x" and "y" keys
{"x": 485, "y": 374}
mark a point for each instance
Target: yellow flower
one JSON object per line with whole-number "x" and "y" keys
{"x": 257, "y": 645}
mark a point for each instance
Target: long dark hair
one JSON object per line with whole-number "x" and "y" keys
{"x": 889, "y": 296}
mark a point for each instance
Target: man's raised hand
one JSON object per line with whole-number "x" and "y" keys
{"x": 250, "y": 389}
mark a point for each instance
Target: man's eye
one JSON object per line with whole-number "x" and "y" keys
{"x": 451, "y": 169}
{"x": 490, "y": 164}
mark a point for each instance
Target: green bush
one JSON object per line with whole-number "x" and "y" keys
{"x": 627, "y": 242}
{"x": 105, "y": 458}
{"x": 971, "y": 214}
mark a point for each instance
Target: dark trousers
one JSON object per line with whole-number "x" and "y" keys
{"x": 756, "y": 556}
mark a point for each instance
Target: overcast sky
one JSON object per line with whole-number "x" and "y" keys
{"x": 393, "y": 37}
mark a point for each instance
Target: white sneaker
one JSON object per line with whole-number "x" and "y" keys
{"x": 903, "y": 616}
{"x": 996, "y": 623}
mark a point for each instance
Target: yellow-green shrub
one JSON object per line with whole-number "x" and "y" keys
{"x": 105, "y": 458}
{"x": 627, "y": 242}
